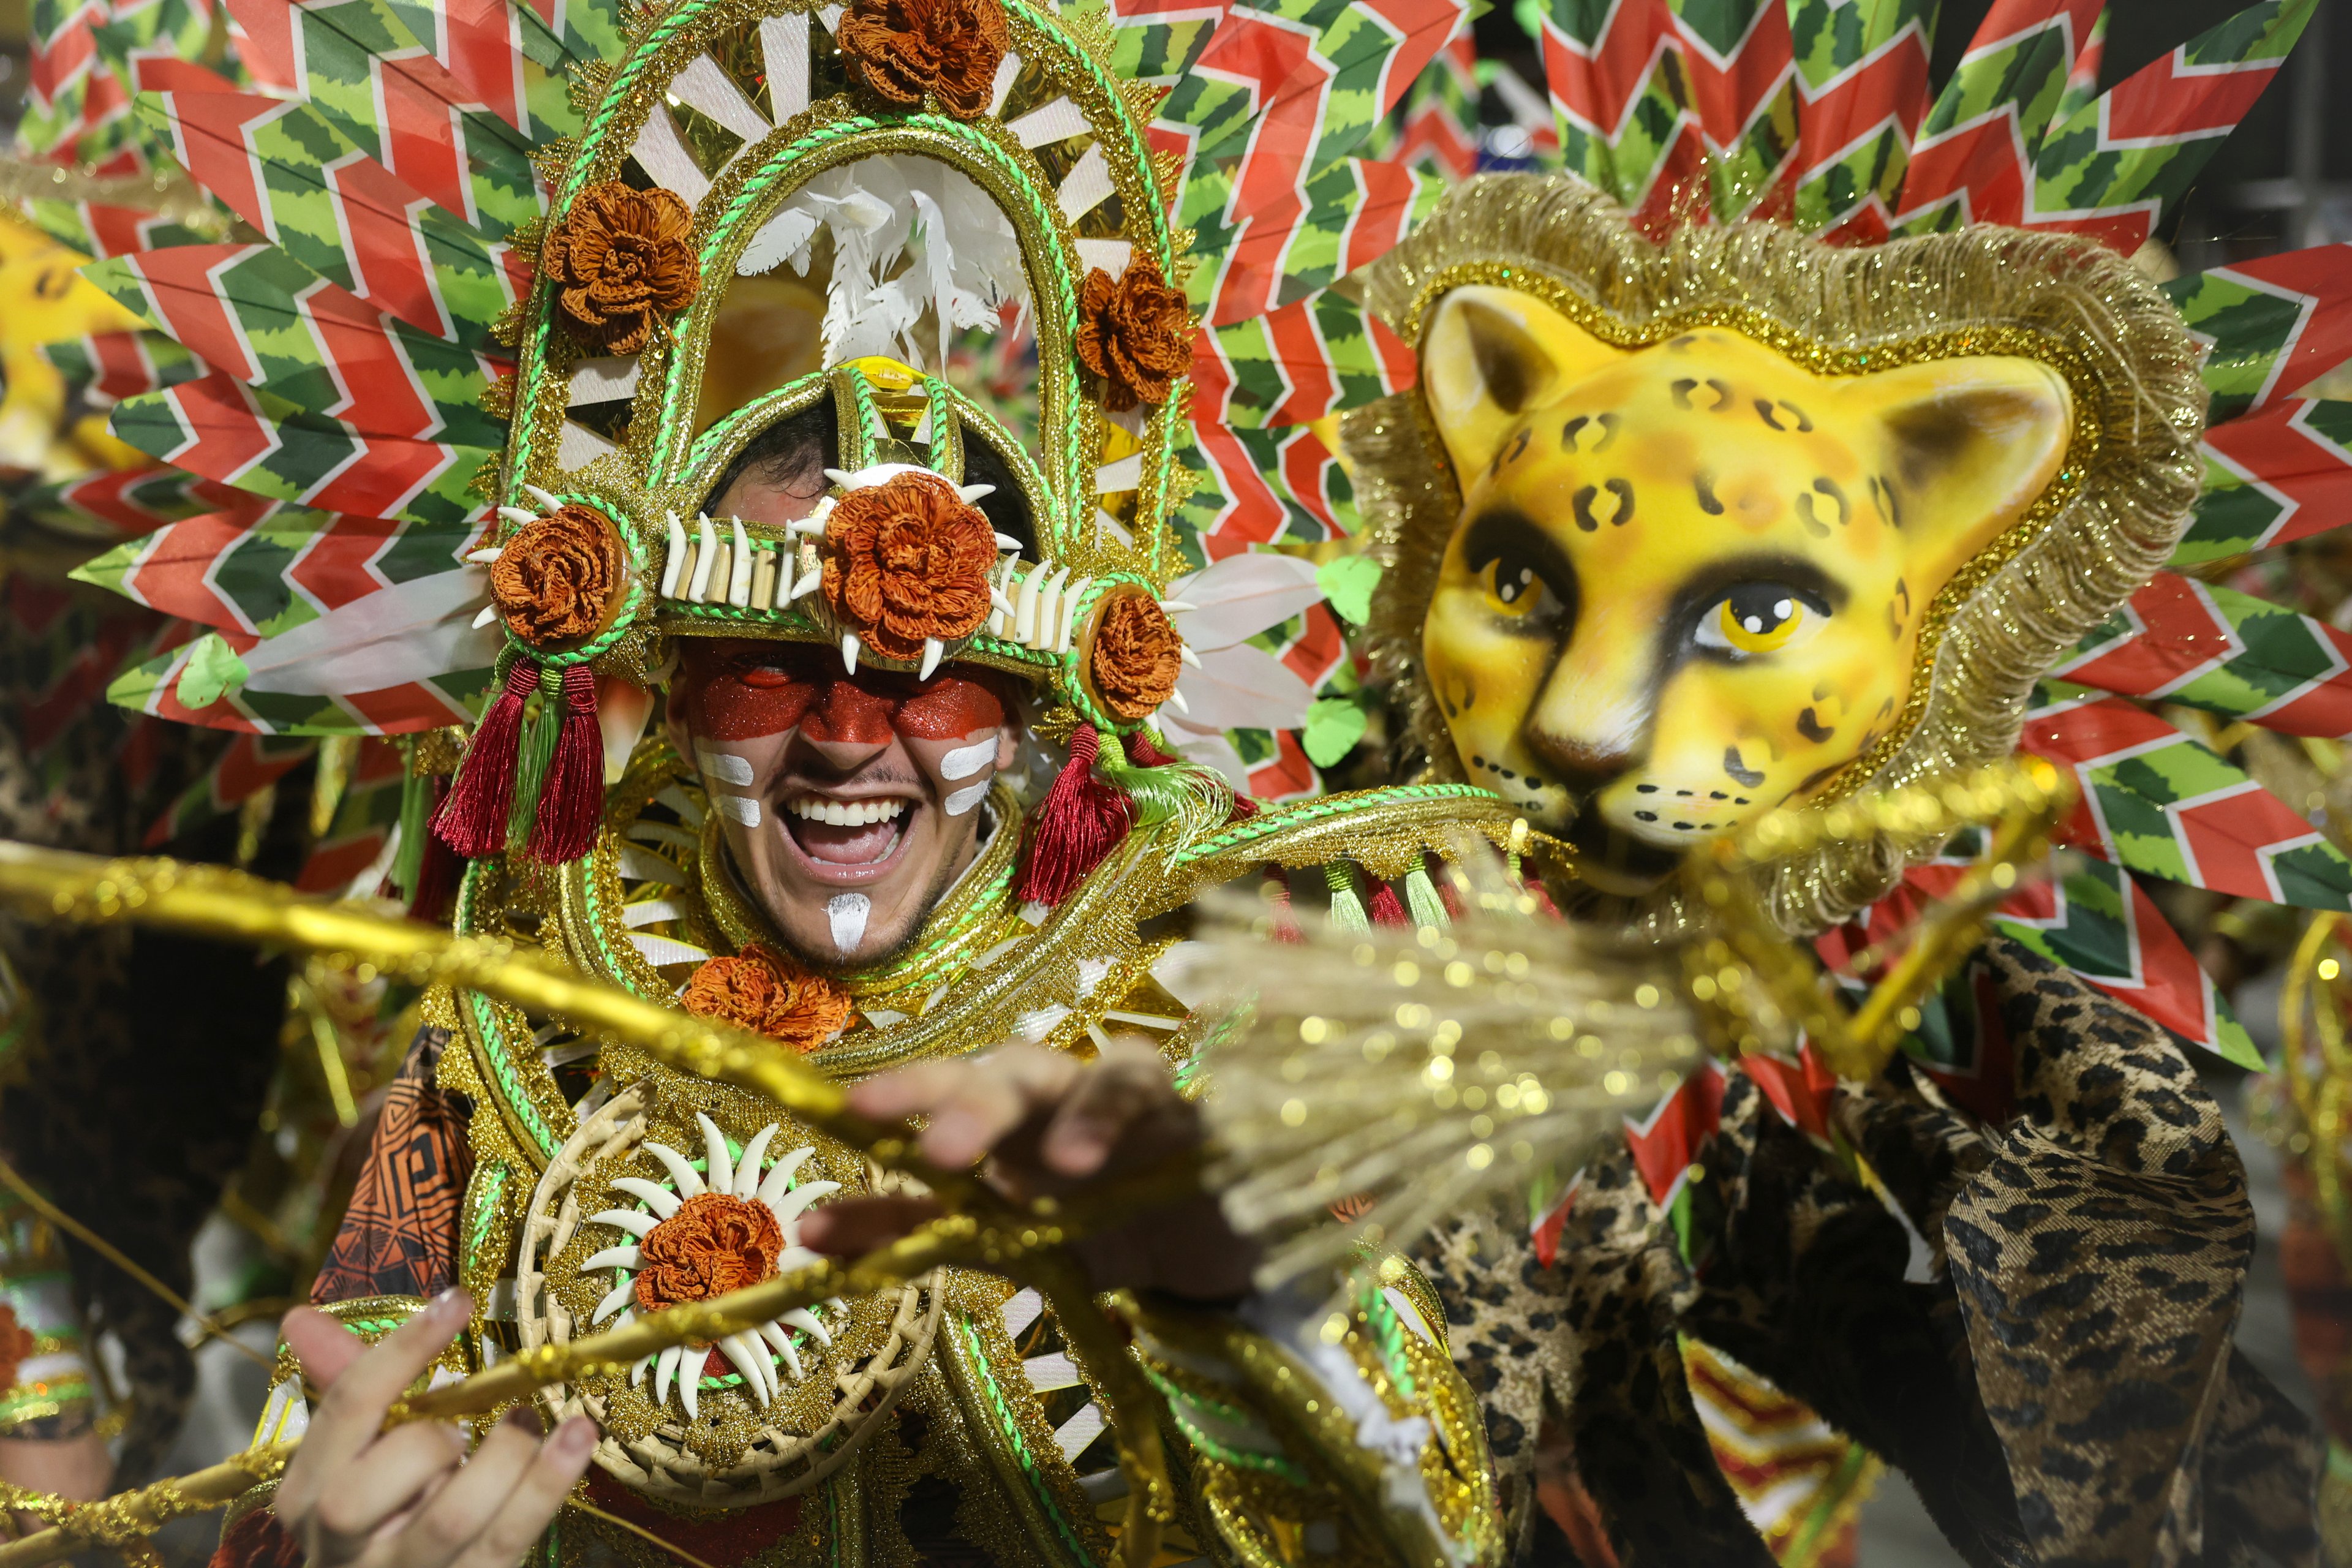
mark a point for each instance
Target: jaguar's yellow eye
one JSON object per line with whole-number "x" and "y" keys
{"x": 1758, "y": 617}
{"x": 1512, "y": 586}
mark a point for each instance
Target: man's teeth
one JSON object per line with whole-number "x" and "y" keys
{"x": 845, "y": 812}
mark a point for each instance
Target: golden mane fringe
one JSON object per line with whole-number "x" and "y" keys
{"x": 2132, "y": 475}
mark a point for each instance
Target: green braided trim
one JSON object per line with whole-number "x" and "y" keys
{"x": 1011, "y": 1428}
{"x": 1222, "y": 1453}
{"x": 484, "y": 1215}
{"x": 1267, "y": 824}
{"x": 1388, "y": 1335}
{"x": 509, "y": 1088}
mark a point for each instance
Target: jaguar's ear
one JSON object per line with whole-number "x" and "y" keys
{"x": 1970, "y": 443}
{"x": 1490, "y": 355}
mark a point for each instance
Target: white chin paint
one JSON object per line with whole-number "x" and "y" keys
{"x": 741, "y": 809}
{"x": 724, "y": 766}
{"x": 965, "y": 761}
{"x": 964, "y": 799}
{"x": 848, "y": 914}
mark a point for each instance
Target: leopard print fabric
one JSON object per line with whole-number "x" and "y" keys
{"x": 2039, "y": 1338}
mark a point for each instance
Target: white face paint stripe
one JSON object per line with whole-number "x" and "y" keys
{"x": 724, "y": 766}
{"x": 966, "y": 761}
{"x": 964, "y": 799}
{"x": 848, "y": 914}
{"x": 741, "y": 809}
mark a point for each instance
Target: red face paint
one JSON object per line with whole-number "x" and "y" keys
{"x": 738, "y": 690}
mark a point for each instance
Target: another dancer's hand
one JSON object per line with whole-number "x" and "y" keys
{"x": 411, "y": 1498}
{"x": 1050, "y": 1124}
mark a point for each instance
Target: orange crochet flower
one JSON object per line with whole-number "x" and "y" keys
{"x": 555, "y": 579}
{"x": 1136, "y": 658}
{"x": 907, "y": 559}
{"x": 622, "y": 258}
{"x": 1135, "y": 333}
{"x": 714, "y": 1243}
{"x": 16, "y": 1345}
{"x": 902, "y": 50}
{"x": 764, "y": 992}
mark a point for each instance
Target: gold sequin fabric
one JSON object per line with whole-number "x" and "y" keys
{"x": 2050, "y": 1360}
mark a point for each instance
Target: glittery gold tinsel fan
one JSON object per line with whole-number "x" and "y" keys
{"x": 1365, "y": 1085}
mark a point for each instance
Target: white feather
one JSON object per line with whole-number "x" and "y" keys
{"x": 410, "y": 631}
{"x": 1238, "y": 597}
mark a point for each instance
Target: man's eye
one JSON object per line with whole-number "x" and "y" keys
{"x": 1760, "y": 618}
{"x": 1512, "y": 587}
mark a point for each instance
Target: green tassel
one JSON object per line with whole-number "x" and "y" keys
{"x": 415, "y": 827}
{"x": 1346, "y": 909}
{"x": 540, "y": 733}
{"x": 1157, "y": 794}
{"x": 1421, "y": 897}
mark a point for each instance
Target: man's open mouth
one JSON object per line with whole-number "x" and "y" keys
{"x": 831, "y": 830}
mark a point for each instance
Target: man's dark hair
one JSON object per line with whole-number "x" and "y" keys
{"x": 794, "y": 453}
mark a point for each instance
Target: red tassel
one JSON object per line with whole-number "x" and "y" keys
{"x": 438, "y": 870}
{"x": 1083, "y": 820}
{"x": 1286, "y": 924}
{"x": 473, "y": 820}
{"x": 1386, "y": 908}
{"x": 1143, "y": 753}
{"x": 571, "y": 801}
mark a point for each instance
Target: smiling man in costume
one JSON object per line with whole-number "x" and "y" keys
{"x": 832, "y": 709}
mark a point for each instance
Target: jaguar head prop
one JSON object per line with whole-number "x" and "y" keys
{"x": 1687, "y": 580}
{"x": 1682, "y": 534}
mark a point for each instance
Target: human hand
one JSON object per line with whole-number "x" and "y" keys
{"x": 410, "y": 1498}
{"x": 1051, "y": 1125}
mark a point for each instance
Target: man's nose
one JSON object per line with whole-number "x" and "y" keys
{"x": 847, "y": 726}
